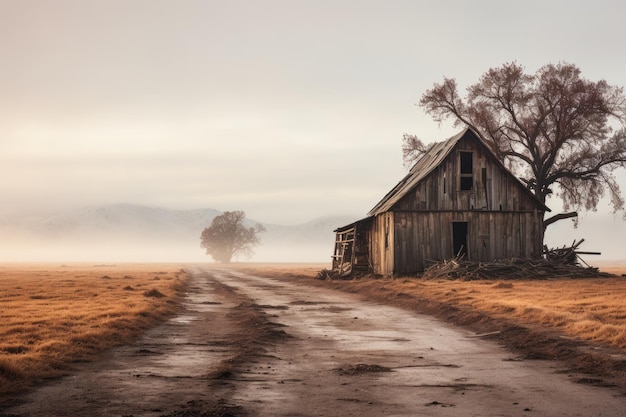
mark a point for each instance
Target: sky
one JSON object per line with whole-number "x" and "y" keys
{"x": 286, "y": 109}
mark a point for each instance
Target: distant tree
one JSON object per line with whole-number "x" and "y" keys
{"x": 227, "y": 236}
{"x": 561, "y": 133}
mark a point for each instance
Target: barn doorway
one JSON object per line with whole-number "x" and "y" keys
{"x": 459, "y": 238}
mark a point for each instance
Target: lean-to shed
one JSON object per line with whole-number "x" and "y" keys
{"x": 457, "y": 199}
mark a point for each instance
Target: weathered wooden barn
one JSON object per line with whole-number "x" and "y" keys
{"x": 458, "y": 199}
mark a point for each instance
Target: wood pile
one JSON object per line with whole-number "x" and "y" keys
{"x": 557, "y": 263}
{"x": 517, "y": 268}
{"x": 567, "y": 255}
{"x": 514, "y": 268}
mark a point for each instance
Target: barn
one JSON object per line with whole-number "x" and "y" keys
{"x": 458, "y": 199}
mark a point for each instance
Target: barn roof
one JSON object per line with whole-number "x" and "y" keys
{"x": 426, "y": 164}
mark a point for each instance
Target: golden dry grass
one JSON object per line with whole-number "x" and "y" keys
{"x": 51, "y": 316}
{"x": 589, "y": 309}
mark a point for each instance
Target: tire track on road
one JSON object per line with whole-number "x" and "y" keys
{"x": 331, "y": 365}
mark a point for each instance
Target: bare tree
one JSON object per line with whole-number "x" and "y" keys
{"x": 227, "y": 236}
{"x": 413, "y": 149}
{"x": 561, "y": 133}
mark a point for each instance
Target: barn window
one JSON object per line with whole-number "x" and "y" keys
{"x": 467, "y": 171}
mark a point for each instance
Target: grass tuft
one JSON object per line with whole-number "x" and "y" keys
{"x": 9, "y": 371}
{"x": 154, "y": 293}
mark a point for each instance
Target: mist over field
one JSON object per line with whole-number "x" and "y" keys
{"x": 135, "y": 233}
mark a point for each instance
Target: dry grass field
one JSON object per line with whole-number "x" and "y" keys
{"x": 51, "y": 316}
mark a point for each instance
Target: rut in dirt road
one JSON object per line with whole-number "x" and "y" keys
{"x": 347, "y": 357}
{"x": 254, "y": 346}
{"x": 180, "y": 368}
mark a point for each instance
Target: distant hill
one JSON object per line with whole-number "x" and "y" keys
{"x": 127, "y": 232}
{"x": 125, "y": 220}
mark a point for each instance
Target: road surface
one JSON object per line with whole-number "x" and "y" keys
{"x": 247, "y": 345}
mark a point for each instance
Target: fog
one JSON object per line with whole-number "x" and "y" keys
{"x": 288, "y": 110}
{"x": 114, "y": 251}
{"x": 134, "y": 233}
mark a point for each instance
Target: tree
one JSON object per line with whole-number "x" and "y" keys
{"x": 227, "y": 237}
{"x": 561, "y": 133}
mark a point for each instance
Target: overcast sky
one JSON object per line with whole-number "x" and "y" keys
{"x": 288, "y": 110}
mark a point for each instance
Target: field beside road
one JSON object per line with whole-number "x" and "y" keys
{"x": 52, "y": 316}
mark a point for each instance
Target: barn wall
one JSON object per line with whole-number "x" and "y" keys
{"x": 493, "y": 188}
{"x": 381, "y": 244}
{"x": 503, "y": 219}
{"x": 422, "y": 236}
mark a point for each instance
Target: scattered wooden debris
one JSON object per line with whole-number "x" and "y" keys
{"x": 567, "y": 255}
{"x": 557, "y": 263}
{"x": 515, "y": 268}
{"x": 328, "y": 274}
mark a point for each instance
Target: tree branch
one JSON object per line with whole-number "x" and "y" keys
{"x": 557, "y": 217}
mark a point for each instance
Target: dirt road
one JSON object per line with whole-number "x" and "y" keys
{"x": 248, "y": 345}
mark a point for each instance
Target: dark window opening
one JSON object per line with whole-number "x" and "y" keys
{"x": 459, "y": 238}
{"x": 466, "y": 163}
{"x": 466, "y": 182}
